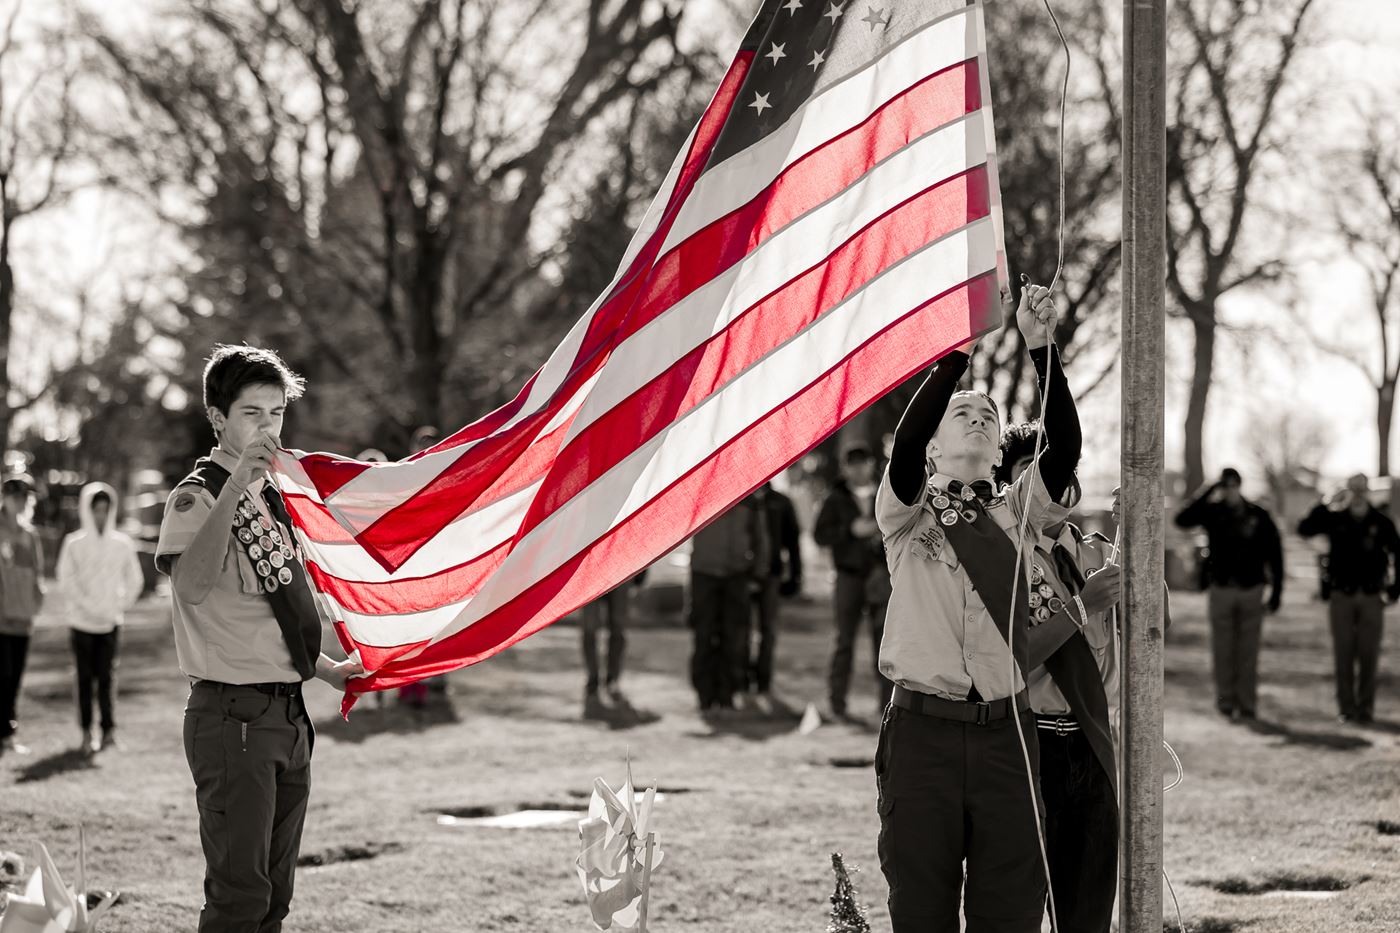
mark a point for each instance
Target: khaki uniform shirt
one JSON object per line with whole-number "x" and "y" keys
{"x": 232, "y": 637}
{"x": 1088, "y": 556}
{"x": 939, "y": 638}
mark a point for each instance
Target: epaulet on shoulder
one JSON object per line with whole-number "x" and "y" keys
{"x": 1097, "y": 536}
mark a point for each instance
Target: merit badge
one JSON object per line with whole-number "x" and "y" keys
{"x": 276, "y": 559}
{"x": 969, "y": 515}
{"x": 255, "y": 552}
{"x": 1042, "y": 614}
{"x": 245, "y": 536}
{"x": 1033, "y": 600}
{"x": 1037, "y": 575}
{"x": 285, "y": 575}
{"x": 265, "y": 543}
{"x": 264, "y": 568}
{"x": 949, "y": 517}
{"x": 940, "y": 501}
{"x": 270, "y": 584}
{"x": 276, "y": 535}
{"x": 1056, "y": 604}
{"x": 265, "y": 522}
{"x": 1046, "y": 590}
{"x": 286, "y": 552}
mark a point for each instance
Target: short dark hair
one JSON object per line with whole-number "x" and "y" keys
{"x": 18, "y": 485}
{"x": 1230, "y": 475}
{"x": 100, "y": 496}
{"x": 231, "y": 369}
{"x": 980, "y": 394}
{"x": 857, "y": 453}
{"x": 1018, "y": 441}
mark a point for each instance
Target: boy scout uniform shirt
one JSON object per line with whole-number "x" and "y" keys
{"x": 232, "y": 636}
{"x": 939, "y": 638}
{"x": 1046, "y": 698}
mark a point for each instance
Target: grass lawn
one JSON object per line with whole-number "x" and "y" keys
{"x": 752, "y": 810}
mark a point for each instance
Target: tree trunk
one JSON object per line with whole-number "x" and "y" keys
{"x": 1201, "y": 375}
{"x": 1385, "y": 409}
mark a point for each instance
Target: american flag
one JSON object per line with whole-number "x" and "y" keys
{"x": 831, "y": 227}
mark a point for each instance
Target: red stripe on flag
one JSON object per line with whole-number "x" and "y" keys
{"x": 724, "y": 478}
{"x": 416, "y": 594}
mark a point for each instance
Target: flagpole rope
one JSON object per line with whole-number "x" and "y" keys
{"x": 1020, "y": 567}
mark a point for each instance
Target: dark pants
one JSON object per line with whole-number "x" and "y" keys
{"x": 1357, "y": 622}
{"x": 852, "y": 603}
{"x": 953, "y": 792}
{"x": 719, "y": 608}
{"x": 610, "y": 612}
{"x": 96, "y": 657}
{"x": 1081, "y": 832}
{"x": 250, "y": 754}
{"x": 1236, "y": 619}
{"x": 14, "y": 650}
{"x": 766, "y": 616}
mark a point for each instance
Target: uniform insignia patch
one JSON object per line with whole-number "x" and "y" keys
{"x": 184, "y": 503}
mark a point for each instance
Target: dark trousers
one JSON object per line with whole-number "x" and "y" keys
{"x": 953, "y": 792}
{"x": 852, "y": 604}
{"x": 96, "y": 657}
{"x": 606, "y": 612}
{"x": 719, "y": 613}
{"x": 1357, "y": 622}
{"x": 14, "y": 651}
{"x": 766, "y": 616}
{"x": 1236, "y": 620}
{"x": 250, "y": 754}
{"x": 1081, "y": 832}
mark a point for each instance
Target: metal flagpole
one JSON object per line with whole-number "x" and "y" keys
{"x": 1144, "y": 301}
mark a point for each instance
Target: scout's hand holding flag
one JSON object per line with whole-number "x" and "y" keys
{"x": 618, "y": 854}
{"x": 50, "y": 906}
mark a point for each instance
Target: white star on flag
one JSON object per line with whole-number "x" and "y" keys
{"x": 793, "y": 6}
{"x": 875, "y": 17}
{"x": 760, "y": 103}
{"x": 776, "y": 52}
{"x": 835, "y": 12}
{"x": 816, "y": 62}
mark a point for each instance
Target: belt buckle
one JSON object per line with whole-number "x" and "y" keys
{"x": 984, "y": 713}
{"x": 1062, "y": 728}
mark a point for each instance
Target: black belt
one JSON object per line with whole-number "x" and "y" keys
{"x": 272, "y": 689}
{"x": 979, "y": 713}
{"x": 1060, "y": 725}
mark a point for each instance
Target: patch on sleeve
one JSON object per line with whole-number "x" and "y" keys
{"x": 184, "y": 502}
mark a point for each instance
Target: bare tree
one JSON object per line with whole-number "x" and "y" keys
{"x": 1368, "y": 219}
{"x": 1224, "y": 126}
{"x": 378, "y": 177}
{"x": 1288, "y": 447}
{"x": 36, "y": 146}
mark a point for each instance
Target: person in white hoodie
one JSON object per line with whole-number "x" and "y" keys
{"x": 99, "y": 573}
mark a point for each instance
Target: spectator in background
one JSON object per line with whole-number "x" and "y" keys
{"x": 101, "y": 577}
{"x": 1363, "y": 549}
{"x": 608, "y": 612}
{"x": 728, "y": 558}
{"x": 1245, "y": 554}
{"x": 784, "y": 579}
{"x": 415, "y": 695}
{"x": 21, "y": 595}
{"x": 846, "y": 525}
